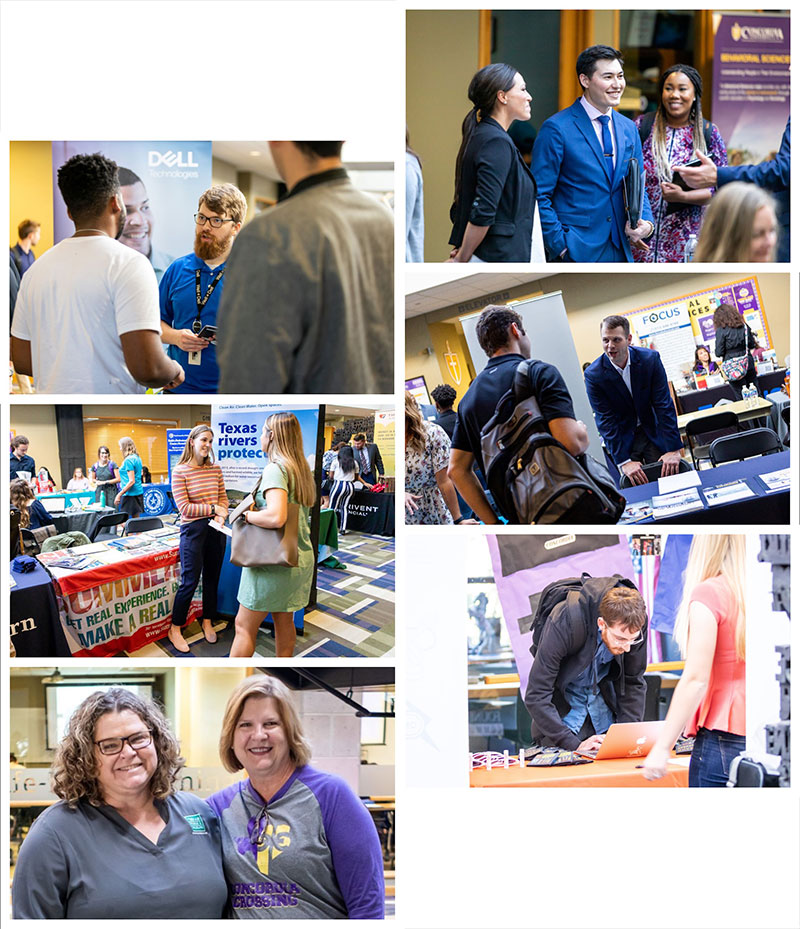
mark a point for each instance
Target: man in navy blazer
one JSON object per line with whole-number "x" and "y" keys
{"x": 634, "y": 412}
{"x": 773, "y": 175}
{"x": 580, "y": 160}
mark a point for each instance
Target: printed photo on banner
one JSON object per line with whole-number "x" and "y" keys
{"x": 198, "y": 753}
{"x": 588, "y": 655}
{"x": 600, "y": 399}
{"x": 176, "y": 267}
{"x": 563, "y": 136}
{"x": 212, "y": 531}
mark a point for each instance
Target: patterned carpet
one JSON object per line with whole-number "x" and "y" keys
{"x": 353, "y": 618}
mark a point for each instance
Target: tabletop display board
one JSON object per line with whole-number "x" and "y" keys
{"x": 546, "y": 314}
{"x": 675, "y": 328}
{"x": 384, "y": 438}
{"x": 750, "y": 96}
{"x": 237, "y": 441}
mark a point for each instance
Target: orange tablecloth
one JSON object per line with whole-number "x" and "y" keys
{"x": 615, "y": 772}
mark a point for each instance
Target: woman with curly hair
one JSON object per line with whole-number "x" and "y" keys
{"x": 121, "y": 843}
{"x": 33, "y": 515}
{"x": 734, "y": 340}
{"x": 430, "y": 495}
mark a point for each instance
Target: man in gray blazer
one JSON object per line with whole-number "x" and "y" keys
{"x": 308, "y": 305}
{"x": 368, "y": 458}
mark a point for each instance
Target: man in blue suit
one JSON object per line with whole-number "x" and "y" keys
{"x": 773, "y": 175}
{"x": 633, "y": 409}
{"x": 580, "y": 161}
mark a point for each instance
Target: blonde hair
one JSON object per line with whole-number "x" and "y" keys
{"x": 727, "y": 230}
{"x": 126, "y": 446}
{"x": 286, "y": 449}
{"x": 73, "y": 776}
{"x": 22, "y": 496}
{"x": 714, "y": 556}
{"x": 415, "y": 426}
{"x": 188, "y": 450}
{"x": 259, "y": 686}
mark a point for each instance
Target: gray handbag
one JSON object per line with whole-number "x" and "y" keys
{"x": 256, "y": 547}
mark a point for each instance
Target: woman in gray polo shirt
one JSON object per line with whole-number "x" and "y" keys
{"x": 121, "y": 843}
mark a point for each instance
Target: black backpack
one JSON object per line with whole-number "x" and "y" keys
{"x": 582, "y": 596}
{"x": 532, "y": 477}
{"x": 646, "y": 127}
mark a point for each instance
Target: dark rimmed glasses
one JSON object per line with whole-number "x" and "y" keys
{"x": 215, "y": 222}
{"x": 136, "y": 741}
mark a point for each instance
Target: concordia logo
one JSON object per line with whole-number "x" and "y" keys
{"x": 171, "y": 159}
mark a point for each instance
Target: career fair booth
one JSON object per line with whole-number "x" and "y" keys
{"x": 511, "y": 689}
{"x": 346, "y": 714}
{"x": 734, "y": 454}
{"x": 91, "y": 582}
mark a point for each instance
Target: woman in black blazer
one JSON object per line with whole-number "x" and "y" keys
{"x": 494, "y": 207}
{"x": 734, "y": 338}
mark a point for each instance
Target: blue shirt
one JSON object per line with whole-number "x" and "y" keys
{"x": 132, "y": 467}
{"x": 584, "y": 696}
{"x": 22, "y": 259}
{"x": 178, "y": 297}
{"x": 26, "y": 463}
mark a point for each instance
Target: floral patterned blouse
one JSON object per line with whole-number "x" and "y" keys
{"x": 421, "y": 468}
{"x": 673, "y": 230}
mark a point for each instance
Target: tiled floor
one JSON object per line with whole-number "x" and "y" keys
{"x": 353, "y": 618}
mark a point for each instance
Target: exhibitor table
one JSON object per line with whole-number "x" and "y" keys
{"x": 119, "y": 597}
{"x": 614, "y": 772}
{"x": 691, "y": 400}
{"x": 763, "y": 508}
{"x": 744, "y": 410}
{"x": 79, "y": 519}
{"x": 35, "y": 626}
{"x": 371, "y": 513}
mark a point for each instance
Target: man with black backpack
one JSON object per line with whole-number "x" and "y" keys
{"x": 503, "y": 338}
{"x": 590, "y": 653}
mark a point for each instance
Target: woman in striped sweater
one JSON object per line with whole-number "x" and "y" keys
{"x": 199, "y": 494}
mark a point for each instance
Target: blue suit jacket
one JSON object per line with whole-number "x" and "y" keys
{"x": 577, "y": 202}
{"x": 772, "y": 175}
{"x": 616, "y": 411}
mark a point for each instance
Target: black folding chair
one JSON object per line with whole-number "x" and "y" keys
{"x": 109, "y": 521}
{"x": 762, "y": 441}
{"x": 14, "y": 534}
{"x": 142, "y": 524}
{"x": 653, "y": 473}
{"x": 785, "y": 417}
{"x": 705, "y": 429}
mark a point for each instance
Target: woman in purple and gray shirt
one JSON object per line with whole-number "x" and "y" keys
{"x": 297, "y": 843}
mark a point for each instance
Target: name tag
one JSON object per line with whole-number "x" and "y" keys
{"x": 197, "y": 824}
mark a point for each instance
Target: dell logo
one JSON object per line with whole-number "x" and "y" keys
{"x": 171, "y": 159}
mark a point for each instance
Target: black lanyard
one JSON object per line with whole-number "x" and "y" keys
{"x": 201, "y": 302}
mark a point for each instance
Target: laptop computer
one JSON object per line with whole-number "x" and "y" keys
{"x": 54, "y": 504}
{"x": 628, "y": 740}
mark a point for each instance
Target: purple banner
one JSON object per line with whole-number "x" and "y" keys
{"x": 515, "y": 589}
{"x": 751, "y": 102}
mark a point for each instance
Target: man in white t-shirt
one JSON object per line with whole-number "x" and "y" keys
{"x": 88, "y": 320}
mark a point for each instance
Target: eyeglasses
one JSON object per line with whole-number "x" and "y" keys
{"x": 619, "y": 641}
{"x": 214, "y": 221}
{"x": 136, "y": 741}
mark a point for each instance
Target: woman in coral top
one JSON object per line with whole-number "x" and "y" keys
{"x": 709, "y": 701}
{"x": 199, "y": 494}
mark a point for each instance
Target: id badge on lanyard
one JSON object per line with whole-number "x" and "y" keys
{"x": 197, "y": 326}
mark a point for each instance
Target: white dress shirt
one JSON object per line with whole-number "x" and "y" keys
{"x": 592, "y": 112}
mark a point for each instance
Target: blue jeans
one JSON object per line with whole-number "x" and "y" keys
{"x": 712, "y": 756}
{"x": 202, "y": 551}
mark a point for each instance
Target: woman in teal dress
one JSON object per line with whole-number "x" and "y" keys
{"x": 273, "y": 589}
